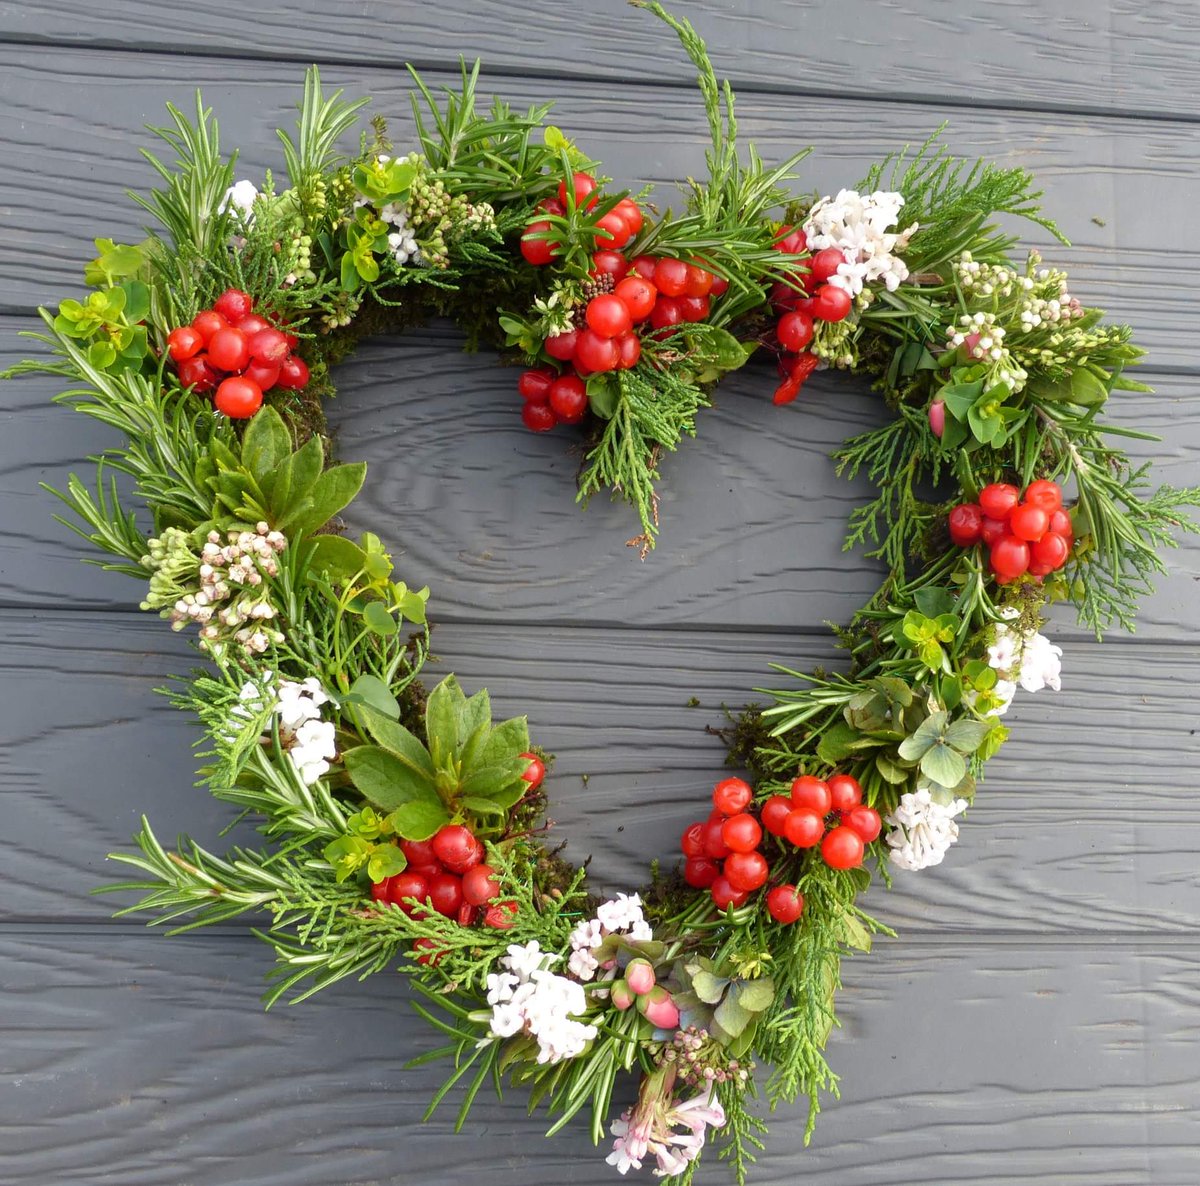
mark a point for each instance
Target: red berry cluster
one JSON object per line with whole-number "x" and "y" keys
{"x": 1024, "y": 535}
{"x": 613, "y": 230}
{"x": 722, "y": 853}
{"x": 242, "y": 355}
{"x": 448, "y": 875}
{"x": 802, "y": 303}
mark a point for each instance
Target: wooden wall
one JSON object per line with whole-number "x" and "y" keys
{"x": 1038, "y": 1018}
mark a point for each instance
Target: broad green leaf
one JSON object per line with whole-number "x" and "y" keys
{"x": 420, "y": 818}
{"x": 967, "y": 735}
{"x": 952, "y": 692}
{"x": 379, "y": 621}
{"x": 943, "y": 764}
{"x": 731, "y": 1017}
{"x": 507, "y": 740}
{"x": 707, "y": 986}
{"x": 336, "y": 555}
{"x": 756, "y": 995}
{"x": 934, "y": 601}
{"x": 960, "y": 398}
{"x": 387, "y": 860}
{"x": 402, "y": 745}
{"x": 502, "y": 783}
{"x": 441, "y": 720}
{"x": 604, "y": 392}
{"x": 266, "y": 443}
{"x": 838, "y": 742}
{"x": 334, "y": 490}
{"x": 373, "y": 692}
{"x": 480, "y": 805}
{"x": 386, "y": 781}
{"x": 412, "y": 604}
{"x": 853, "y": 933}
{"x": 137, "y": 301}
{"x": 889, "y": 771}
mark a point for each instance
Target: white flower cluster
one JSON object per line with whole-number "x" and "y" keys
{"x": 309, "y": 741}
{"x": 620, "y": 916}
{"x": 922, "y": 830}
{"x": 1037, "y": 311}
{"x": 1030, "y": 660}
{"x": 984, "y": 341}
{"x": 859, "y": 225}
{"x": 400, "y": 239}
{"x": 529, "y": 998}
{"x": 241, "y": 196}
{"x": 672, "y": 1130}
{"x": 240, "y": 563}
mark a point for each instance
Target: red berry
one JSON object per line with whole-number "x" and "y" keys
{"x": 826, "y": 263}
{"x": 746, "y": 871}
{"x": 693, "y": 308}
{"x": 670, "y": 277}
{"x": 408, "y": 885}
{"x": 774, "y": 813}
{"x": 446, "y": 893}
{"x": 692, "y": 841}
{"x": 552, "y": 206}
{"x": 791, "y": 240}
{"x": 1009, "y": 557}
{"x": 741, "y": 832}
{"x": 812, "y": 793}
{"x": 610, "y": 263}
{"x": 195, "y": 373}
{"x": 865, "y": 821}
{"x": 582, "y": 188}
{"x": 562, "y": 346}
{"x": 629, "y": 350}
{"x": 990, "y": 530}
{"x": 227, "y": 349}
{"x": 720, "y": 286}
{"x": 1051, "y": 552}
{"x": 845, "y": 792}
{"x": 804, "y": 827}
{"x": 666, "y": 314}
{"x": 830, "y": 303}
{"x": 785, "y": 298}
{"x": 265, "y": 374}
{"x": 268, "y": 344}
{"x": 479, "y": 885}
{"x": 966, "y": 525}
{"x": 535, "y": 772}
{"x": 724, "y": 895}
{"x": 379, "y": 890}
{"x": 501, "y": 916}
{"x": 631, "y": 212}
{"x": 644, "y": 266}
{"x": 184, "y": 343}
{"x": 596, "y": 353}
{"x": 612, "y": 231}
{"x": 732, "y": 795}
{"x": 1045, "y": 494}
{"x": 432, "y": 954}
{"x": 715, "y": 847}
{"x": 1028, "y": 522}
{"x": 419, "y": 853}
{"x": 700, "y": 872}
{"x": 785, "y": 904}
{"x": 1060, "y": 524}
{"x": 568, "y": 399}
{"x": 538, "y": 417}
{"x": 238, "y": 398}
{"x": 534, "y": 385}
{"x": 608, "y": 316}
{"x": 252, "y": 323}
{"x": 537, "y": 251}
{"x": 207, "y": 323}
{"x": 795, "y": 331}
{"x": 842, "y": 848}
{"x": 699, "y": 281}
{"x": 637, "y": 294}
{"x": 233, "y": 305}
{"x": 998, "y": 500}
{"x": 453, "y": 845}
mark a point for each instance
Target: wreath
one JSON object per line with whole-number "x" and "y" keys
{"x": 404, "y": 824}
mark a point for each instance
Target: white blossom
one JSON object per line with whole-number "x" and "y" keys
{"x": 922, "y": 830}
{"x": 653, "y": 1127}
{"x": 314, "y": 744}
{"x": 241, "y": 196}
{"x": 859, "y": 225}
{"x": 1031, "y": 660}
{"x": 621, "y": 913}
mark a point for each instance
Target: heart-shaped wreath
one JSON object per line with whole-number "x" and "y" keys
{"x": 400, "y": 824}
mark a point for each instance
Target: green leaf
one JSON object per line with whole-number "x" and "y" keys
{"x": 266, "y": 443}
{"x": 482, "y": 806}
{"x": 889, "y": 771}
{"x": 838, "y": 742}
{"x": 387, "y": 781}
{"x": 501, "y": 783}
{"x": 960, "y": 398}
{"x": 506, "y": 741}
{"x": 943, "y": 764}
{"x": 379, "y": 621}
{"x": 967, "y": 735}
{"x": 1080, "y": 387}
{"x": 373, "y": 692}
{"x": 387, "y": 860}
{"x": 402, "y": 745}
{"x": 731, "y": 1017}
{"x": 441, "y": 720}
{"x": 707, "y": 986}
{"x": 420, "y": 818}
{"x": 934, "y": 600}
{"x": 137, "y": 301}
{"x": 604, "y": 392}
{"x": 756, "y": 995}
{"x": 341, "y": 558}
{"x": 334, "y": 490}
{"x": 853, "y": 933}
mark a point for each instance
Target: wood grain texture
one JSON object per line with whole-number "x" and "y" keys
{"x": 483, "y": 511}
{"x": 1085, "y": 825}
{"x": 71, "y": 123}
{"x": 1094, "y": 56}
{"x": 149, "y": 1062}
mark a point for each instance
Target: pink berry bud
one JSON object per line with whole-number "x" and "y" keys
{"x": 640, "y": 976}
{"x": 621, "y": 995}
{"x": 659, "y": 1009}
{"x": 937, "y": 418}
{"x": 970, "y": 346}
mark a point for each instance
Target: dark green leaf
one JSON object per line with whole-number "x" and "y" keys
{"x": 420, "y": 818}
{"x": 266, "y": 443}
{"x": 341, "y": 558}
{"x": 388, "y": 782}
{"x": 372, "y": 691}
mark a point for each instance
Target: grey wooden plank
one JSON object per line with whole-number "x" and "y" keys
{"x": 484, "y": 512}
{"x": 150, "y": 1063}
{"x": 71, "y": 123}
{"x": 1085, "y": 824}
{"x": 1096, "y": 55}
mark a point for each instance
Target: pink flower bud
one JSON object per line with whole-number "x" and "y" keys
{"x": 621, "y": 995}
{"x": 640, "y": 976}
{"x": 970, "y": 346}
{"x": 937, "y": 418}
{"x": 659, "y": 1009}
